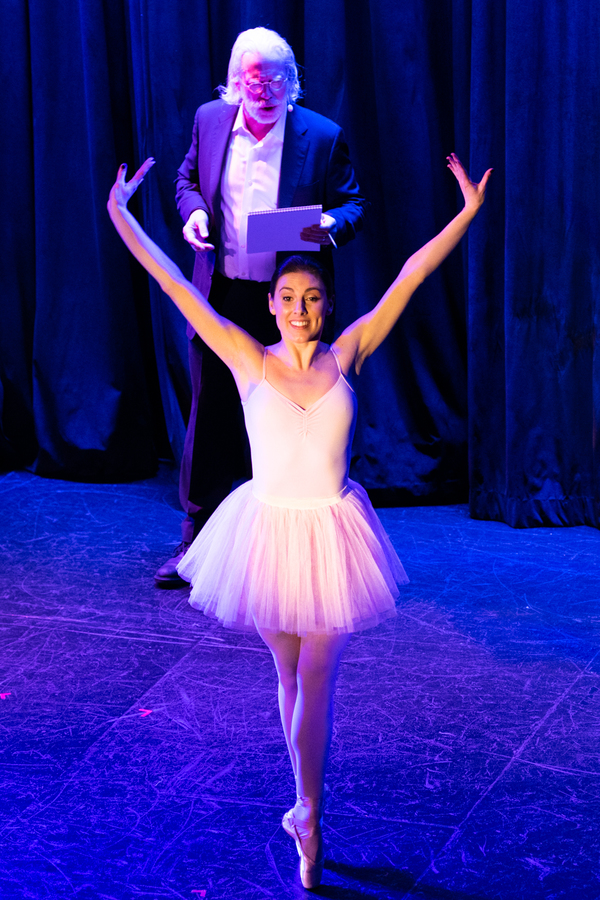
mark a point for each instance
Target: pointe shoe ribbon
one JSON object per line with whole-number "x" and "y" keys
{"x": 303, "y": 824}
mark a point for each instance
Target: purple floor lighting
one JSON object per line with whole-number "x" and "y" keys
{"x": 141, "y": 754}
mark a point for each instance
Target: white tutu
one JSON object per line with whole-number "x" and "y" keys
{"x": 327, "y": 569}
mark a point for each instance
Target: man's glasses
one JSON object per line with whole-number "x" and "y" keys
{"x": 276, "y": 86}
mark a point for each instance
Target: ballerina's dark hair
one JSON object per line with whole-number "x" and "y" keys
{"x": 304, "y": 264}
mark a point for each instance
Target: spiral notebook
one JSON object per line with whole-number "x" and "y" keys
{"x": 279, "y": 229}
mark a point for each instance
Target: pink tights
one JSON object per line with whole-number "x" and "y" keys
{"x": 307, "y": 669}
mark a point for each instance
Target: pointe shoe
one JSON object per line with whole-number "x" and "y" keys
{"x": 303, "y": 823}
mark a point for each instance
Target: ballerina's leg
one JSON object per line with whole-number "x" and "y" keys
{"x": 313, "y": 713}
{"x": 285, "y": 649}
{"x": 307, "y": 669}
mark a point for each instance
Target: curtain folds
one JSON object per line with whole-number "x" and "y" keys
{"x": 489, "y": 387}
{"x": 534, "y": 298}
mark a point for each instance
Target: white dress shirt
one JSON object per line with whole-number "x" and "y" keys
{"x": 249, "y": 183}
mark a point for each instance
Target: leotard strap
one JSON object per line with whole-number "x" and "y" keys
{"x": 337, "y": 361}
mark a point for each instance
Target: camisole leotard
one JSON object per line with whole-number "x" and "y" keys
{"x": 300, "y": 454}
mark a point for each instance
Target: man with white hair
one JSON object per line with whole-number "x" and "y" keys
{"x": 252, "y": 150}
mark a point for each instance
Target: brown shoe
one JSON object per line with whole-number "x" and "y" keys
{"x": 167, "y": 576}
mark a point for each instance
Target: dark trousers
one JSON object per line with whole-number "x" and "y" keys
{"x": 216, "y": 452}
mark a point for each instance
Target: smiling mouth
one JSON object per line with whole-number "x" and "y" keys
{"x": 299, "y": 323}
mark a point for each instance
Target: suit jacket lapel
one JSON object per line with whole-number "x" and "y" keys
{"x": 218, "y": 148}
{"x": 295, "y": 148}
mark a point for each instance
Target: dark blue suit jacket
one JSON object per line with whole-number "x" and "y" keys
{"x": 315, "y": 168}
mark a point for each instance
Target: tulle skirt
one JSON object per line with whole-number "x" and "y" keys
{"x": 325, "y": 566}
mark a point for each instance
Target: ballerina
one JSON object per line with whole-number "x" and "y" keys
{"x": 297, "y": 553}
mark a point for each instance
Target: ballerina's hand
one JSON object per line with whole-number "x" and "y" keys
{"x": 473, "y": 193}
{"x": 122, "y": 191}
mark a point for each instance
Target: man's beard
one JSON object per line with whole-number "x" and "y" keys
{"x": 261, "y": 114}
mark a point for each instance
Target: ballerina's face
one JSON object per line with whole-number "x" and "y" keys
{"x": 300, "y": 305}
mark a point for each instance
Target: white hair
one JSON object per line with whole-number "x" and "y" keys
{"x": 271, "y": 46}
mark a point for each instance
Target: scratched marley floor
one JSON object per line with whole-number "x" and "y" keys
{"x": 140, "y": 747}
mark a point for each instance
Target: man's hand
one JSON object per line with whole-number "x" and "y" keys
{"x": 195, "y": 231}
{"x": 321, "y": 233}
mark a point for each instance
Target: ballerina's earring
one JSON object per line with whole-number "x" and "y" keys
{"x": 290, "y": 107}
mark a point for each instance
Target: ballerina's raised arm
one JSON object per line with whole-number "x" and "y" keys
{"x": 362, "y": 338}
{"x": 238, "y": 350}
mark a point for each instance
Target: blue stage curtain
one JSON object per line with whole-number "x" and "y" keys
{"x": 75, "y": 397}
{"x": 495, "y": 352}
{"x": 534, "y": 264}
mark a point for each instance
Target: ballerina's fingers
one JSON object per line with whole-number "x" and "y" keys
{"x": 137, "y": 179}
{"x": 143, "y": 169}
{"x": 484, "y": 180}
{"x": 459, "y": 171}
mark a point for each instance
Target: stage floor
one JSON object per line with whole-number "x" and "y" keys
{"x": 141, "y": 754}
